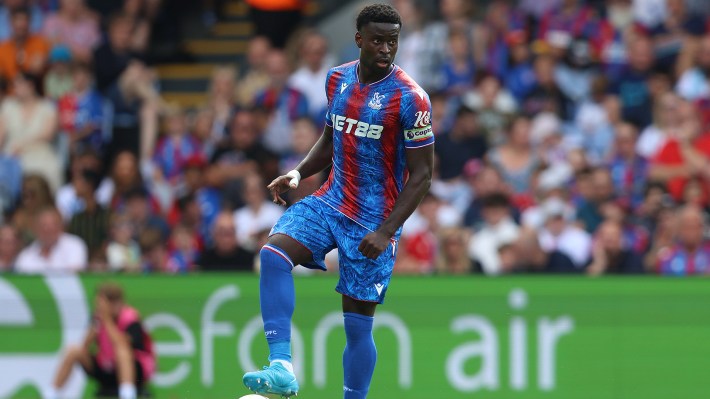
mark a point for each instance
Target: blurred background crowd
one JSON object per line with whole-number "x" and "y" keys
{"x": 572, "y": 136}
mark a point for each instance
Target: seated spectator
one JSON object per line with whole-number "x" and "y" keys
{"x": 453, "y": 255}
{"x": 465, "y": 141}
{"x": 182, "y": 257}
{"x": 28, "y": 126}
{"x": 484, "y": 180}
{"x": 498, "y": 229}
{"x": 74, "y": 25}
{"x": 694, "y": 83}
{"x": 175, "y": 148}
{"x": 316, "y": 62}
{"x": 546, "y": 137}
{"x": 520, "y": 76}
{"x": 226, "y": 254}
{"x": 679, "y": 29}
{"x": 458, "y": 68}
{"x": 282, "y": 103}
{"x": 515, "y": 159}
{"x": 526, "y": 255}
{"x": 493, "y": 105}
{"x": 546, "y": 95}
{"x": 124, "y": 177}
{"x": 559, "y": 234}
{"x": 154, "y": 251}
{"x": 23, "y": 51}
{"x": 81, "y": 112}
{"x": 629, "y": 171}
{"x": 221, "y": 101}
{"x": 255, "y": 79}
{"x": 10, "y": 246}
{"x": 632, "y": 84}
{"x": 35, "y": 196}
{"x": 53, "y": 250}
{"x": 610, "y": 255}
{"x": 6, "y": 10}
{"x": 667, "y": 117}
{"x": 58, "y": 79}
{"x": 10, "y": 183}
{"x": 124, "y": 361}
{"x": 139, "y": 209}
{"x": 601, "y": 190}
{"x": 92, "y": 223}
{"x": 690, "y": 254}
{"x": 115, "y": 55}
{"x": 257, "y": 214}
{"x": 67, "y": 201}
{"x": 123, "y": 253}
{"x": 595, "y": 120}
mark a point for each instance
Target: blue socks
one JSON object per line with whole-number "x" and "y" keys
{"x": 359, "y": 357}
{"x": 278, "y": 299}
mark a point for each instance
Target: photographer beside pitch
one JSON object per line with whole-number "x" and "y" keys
{"x": 379, "y": 140}
{"x": 124, "y": 359}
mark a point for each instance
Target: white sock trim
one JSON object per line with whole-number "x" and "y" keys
{"x": 127, "y": 391}
{"x": 287, "y": 365}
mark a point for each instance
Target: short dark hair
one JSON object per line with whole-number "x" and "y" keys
{"x": 495, "y": 200}
{"x": 23, "y": 10}
{"x": 378, "y": 13}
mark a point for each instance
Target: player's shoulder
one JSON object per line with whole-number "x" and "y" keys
{"x": 343, "y": 69}
{"x": 408, "y": 86}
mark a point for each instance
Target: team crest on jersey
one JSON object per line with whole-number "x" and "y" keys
{"x": 376, "y": 101}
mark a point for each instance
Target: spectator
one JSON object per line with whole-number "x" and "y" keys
{"x": 527, "y": 256}
{"x": 282, "y": 103}
{"x": 629, "y": 171}
{"x": 305, "y": 135}
{"x": 92, "y": 223}
{"x": 498, "y": 229}
{"x": 690, "y": 254}
{"x": 138, "y": 208}
{"x": 315, "y": 63}
{"x": 594, "y": 122}
{"x": 458, "y": 68}
{"x": 694, "y": 83}
{"x": 28, "y": 125}
{"x": 154, "y": 252}
{"x": 58, "y": 79}
{"x": 610, "y": 255}
{"x": 74, "y": 25}
{"x": 546, "y": 94}
{"x": 10, "y": 183}
{"x": 570, "y": 20}
{"x": 67, "y": 201}
{"x": 124, "y": 177}
{"x": 632, "y": 85}
{"x": 601, "y": 190}
{"x": 546, "y": 136}
{"x": 9, "y": 247}
{"x": 226, "y": 254}
{"x": 679, "y": 31}
{"x": 519, "y": 77}
{"x": 258, "y": 213}
{"x": 123, "y": 253}
{"x": 81, "y": 112}
{"x": 515, "y": 159}
{"x": 182, "y": 257}
{"x": 465, "y": 141}
{"x": 35, "y": 196}
{"x": 484, "y": 180}
{"x": 493, "y": 104}
{"x": 6, "y": 10}
{"x": 23, "y": 51}
{"x": 115, "y": 55}
{"x": 453, "y": 255}
{"x": 559, "y": 234}
{"x": 221, "y": 101}
{"x": 124, "y": 360}
{"x": 53, "y": 250}
{"x": 667, "y": 113}
{"x": 256, "y": 78}
{"x": 175, "y": 148}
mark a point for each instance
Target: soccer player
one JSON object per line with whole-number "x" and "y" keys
{"x": 378, "y": 138}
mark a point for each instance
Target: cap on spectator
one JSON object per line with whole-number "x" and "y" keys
{"x": 555, "y": 207}
{"x": 60, "y": 53}
{"x": 543, "y": 126}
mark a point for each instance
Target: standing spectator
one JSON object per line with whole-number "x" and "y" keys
{"x": 629, "y": 171}
{"x": 498, "y": 229}
{"x": 92, "y": 223}
{"x": 175, "y": 148}
{"x": 316, "y": 62}
{"x": 282, "y": 103}
{"x": 276, "y": 19}
{"x": 226, "y": 254}
{"x": 255, "y": 79}
{"x": 694, "y": 83}
{"x": 81, "y": 113}
{"x": 632, "y": 85}
{"x": 122, "y": 252}
{"x": 6, "y": 10}
{"x": 221, "y": 101}
{"x": 258, "y": 213}
{"x": 691, "y": 252}
{"x": 610, "y": 254}
{"x": 9, "y": 247}
{"x": 115, "y": 55}
{"x": 23, "y": 51}
{"x": 459, "y": 145}
{"x": 53, "y": 250}
{"x": 74, "y": 26}
{"x": 28, "y": 125}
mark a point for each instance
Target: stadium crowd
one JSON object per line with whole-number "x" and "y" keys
{"x": 572, "y": 137}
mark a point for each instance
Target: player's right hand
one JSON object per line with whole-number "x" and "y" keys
{"x": 279, "y": 186}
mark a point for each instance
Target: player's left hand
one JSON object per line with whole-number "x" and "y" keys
{"x": 374, "y": 244}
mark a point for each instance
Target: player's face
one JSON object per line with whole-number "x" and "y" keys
{"x": 378, "y": 43}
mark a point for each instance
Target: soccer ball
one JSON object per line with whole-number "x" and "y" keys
{"x": 252, "y": 396}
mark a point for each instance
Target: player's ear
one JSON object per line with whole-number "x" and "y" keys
{"x": 358, "y": 39}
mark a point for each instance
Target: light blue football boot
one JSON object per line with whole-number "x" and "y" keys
{"x": 274, "y": 379}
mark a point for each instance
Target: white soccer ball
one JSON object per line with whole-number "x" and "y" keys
{"x": 253, "y": 396}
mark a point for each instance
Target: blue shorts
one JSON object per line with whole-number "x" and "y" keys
{"x": 320, "y": 229}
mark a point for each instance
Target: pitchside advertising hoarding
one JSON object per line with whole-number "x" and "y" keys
{"x": 437, "y": 337}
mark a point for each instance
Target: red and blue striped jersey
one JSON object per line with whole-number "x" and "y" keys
{"x": 373, "y": 126}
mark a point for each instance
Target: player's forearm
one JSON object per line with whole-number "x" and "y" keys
{"x": 318, "y": 158}
{"x": 412, "y": 194}
{"x": 117, "y": 338}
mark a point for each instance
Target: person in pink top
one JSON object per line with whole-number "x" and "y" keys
{"x": 122, "y": 360}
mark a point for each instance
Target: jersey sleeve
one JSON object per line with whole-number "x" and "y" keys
{"x": 416, "y": 119}
{"x": 329, "y": 96}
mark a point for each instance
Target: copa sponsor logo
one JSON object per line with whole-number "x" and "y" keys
{"x": 356, "y": 127}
